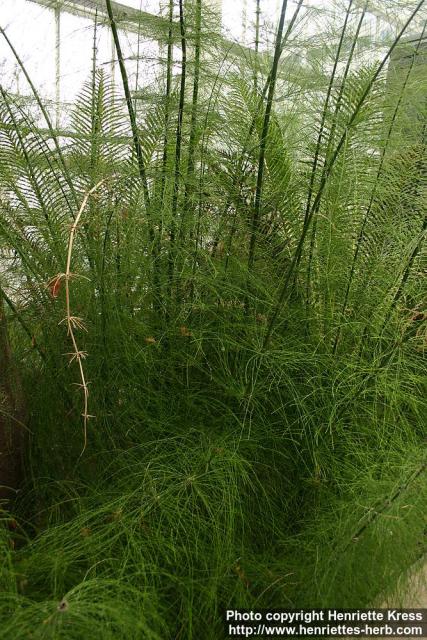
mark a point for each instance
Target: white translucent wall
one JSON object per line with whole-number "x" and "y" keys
{"x": 57, "y": 47}
{"x": 31, "y": 28}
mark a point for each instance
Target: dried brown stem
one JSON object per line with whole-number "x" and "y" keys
{"x": 72, "y": 321}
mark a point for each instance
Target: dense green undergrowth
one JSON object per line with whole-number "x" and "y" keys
{"x": 242, "y": 305}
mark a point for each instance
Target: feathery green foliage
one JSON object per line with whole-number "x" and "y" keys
{"x": 259, "y": 416}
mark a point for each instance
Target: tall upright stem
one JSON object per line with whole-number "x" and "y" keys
{"x": 178, "y": 146}
{"x": 320, "y": 141}
{"x": 264, "y": 135}
{"x": 193, "y": 123}
{"x": 132, "y": 117}
{"x": 257, "y": 29}
{"x": 330, "y": 165}
{"x": 366, "y": 217}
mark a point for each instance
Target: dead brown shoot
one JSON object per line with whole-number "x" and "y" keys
{"x": 74, "y": 322}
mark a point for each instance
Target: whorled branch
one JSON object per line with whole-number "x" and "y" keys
{"x": 74, "y": 322}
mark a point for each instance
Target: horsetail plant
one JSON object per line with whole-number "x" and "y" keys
{"x": 243, "y": 233}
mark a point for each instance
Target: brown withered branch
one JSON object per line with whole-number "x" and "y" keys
{"x": 73, "y": 322}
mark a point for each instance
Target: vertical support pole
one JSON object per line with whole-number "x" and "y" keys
{"x": 57, "y": 66}
{"x": 257, "y": 28}
{"x": 244, "y": 20}
{"x": 113, "y": 65}
{"x": 138, "y": 61}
